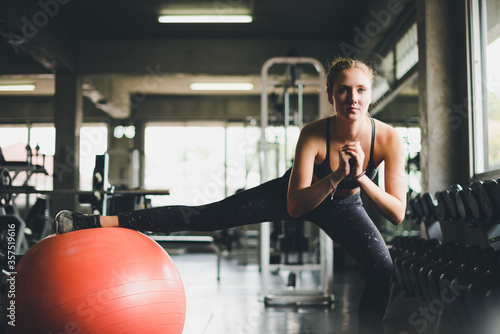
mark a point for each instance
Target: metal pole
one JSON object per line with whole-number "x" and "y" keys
{"x": 265, "y": 243}
{"x": 326, "y": 243}
{"x": 287, "y": 122}
{"x": 300, "y": 107}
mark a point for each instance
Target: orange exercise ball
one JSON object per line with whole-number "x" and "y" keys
{"x": 104, "y": 280}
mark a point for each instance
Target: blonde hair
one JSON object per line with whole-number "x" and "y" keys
{"x": 340, "y": 64}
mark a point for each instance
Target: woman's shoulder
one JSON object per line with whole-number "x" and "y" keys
{"x": 384, "y": 129}
{"x": 387, "y": 136}
{"x": 314, "y": 132}
{"x": 316, "y": 125}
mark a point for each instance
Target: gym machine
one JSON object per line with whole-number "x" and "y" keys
{"x": 29, "y": 167}
{"x": 291, "y": 247}
{"x": 26, "y": 230}
{"x": 105, "y": 199}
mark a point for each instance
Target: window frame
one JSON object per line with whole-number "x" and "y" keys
{"x": 477, "y": 89}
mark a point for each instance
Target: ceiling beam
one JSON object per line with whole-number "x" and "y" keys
{"x": 31, "y": 28}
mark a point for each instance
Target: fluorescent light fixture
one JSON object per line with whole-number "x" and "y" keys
{"x": 205, "y": 19}
{"x": 221, "y": 86}
{"x": 127, "y": 131}
{"x": 17, "y": 88}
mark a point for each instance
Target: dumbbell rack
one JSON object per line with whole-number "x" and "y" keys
{"x": 455, "y": 283}
{"x": 459, "y": 276}
{"x": 322, "y": 295}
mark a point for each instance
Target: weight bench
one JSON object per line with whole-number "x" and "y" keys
{"x": 187, "y": 241}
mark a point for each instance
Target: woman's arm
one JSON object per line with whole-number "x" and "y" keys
{"x": 391, "y": 203}
{"x": 303, "y": 197}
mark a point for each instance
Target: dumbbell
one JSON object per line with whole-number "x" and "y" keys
{"x": 492, "y": 301}
{"x": 444, "y": 255}
{"x": 492, "y": 189}
{"x": 415, "y": 247}
{"x": 469, "y": 260}
{"x": 434, "y": 257}
{"x": 477, "y": 291}
{"x": 404, "y": 268}
{"x": 490, "y": 259}
{"x": 480, "y": 272}
{"x": 416, "y": 214}
{"x": 410, "y": 269}
{"x": 455, "y": 260}
{"x": 397, "y": 246}
{"x": 462, "y": 264}
{"x": 428, "y": 207}
{"x": 482, "y": 199}
{"x": 443, "y": 210}
{"x": 419, "y": 275}
{"x": 410, "y": 243}
{"x": 451, "y": 200}
{"x": 467, "y": 206}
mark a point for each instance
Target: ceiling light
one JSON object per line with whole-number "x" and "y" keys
{"x": 127, "y": 131}
{"x": 205, "y": 19}
{"x": 221, "y": 86}
{"x": 17, "y": 88}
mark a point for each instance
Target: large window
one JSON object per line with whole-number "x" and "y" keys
{"x": 187, "y": 160}
{"x": 396, "y": 64}
{"x": 485, "y": 42}
{"x": 34, "y": 143}
{"x": 407, "y": 52}
{"x": 29, "y": 143}
{"x": 412, "y": 140}
{"x": 203, "y": 164}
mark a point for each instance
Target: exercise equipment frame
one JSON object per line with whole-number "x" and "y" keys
{"x": 323, "y": 294}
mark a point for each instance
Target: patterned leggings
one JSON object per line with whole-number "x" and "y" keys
{"x": 343, "y": 219}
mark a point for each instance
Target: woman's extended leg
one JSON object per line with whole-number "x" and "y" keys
{"x": 348, "y": 224}
{"x": 266, "y": 202}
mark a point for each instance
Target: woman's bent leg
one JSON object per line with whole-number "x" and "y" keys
{"x": 352, "y": 229}
{"x": 266, "y": 202}
{"x": 371, "y": 254}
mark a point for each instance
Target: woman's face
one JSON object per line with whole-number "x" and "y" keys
{"x": 352, "y": 94}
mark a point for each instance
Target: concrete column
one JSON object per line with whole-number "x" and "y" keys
{"x": 443, "y": 105}
{"x": 67, "y": 118}
{"x": 442, "y": 121}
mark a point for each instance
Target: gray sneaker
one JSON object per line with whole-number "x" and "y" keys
{"x": 67, "y": 221}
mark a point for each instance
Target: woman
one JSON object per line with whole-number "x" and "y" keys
{"x": 330, "y": 170}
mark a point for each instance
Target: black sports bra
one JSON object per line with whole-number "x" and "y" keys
{"x": 324, "y": 169}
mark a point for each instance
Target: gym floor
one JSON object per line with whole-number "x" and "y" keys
{"x": 234, "y": 305}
